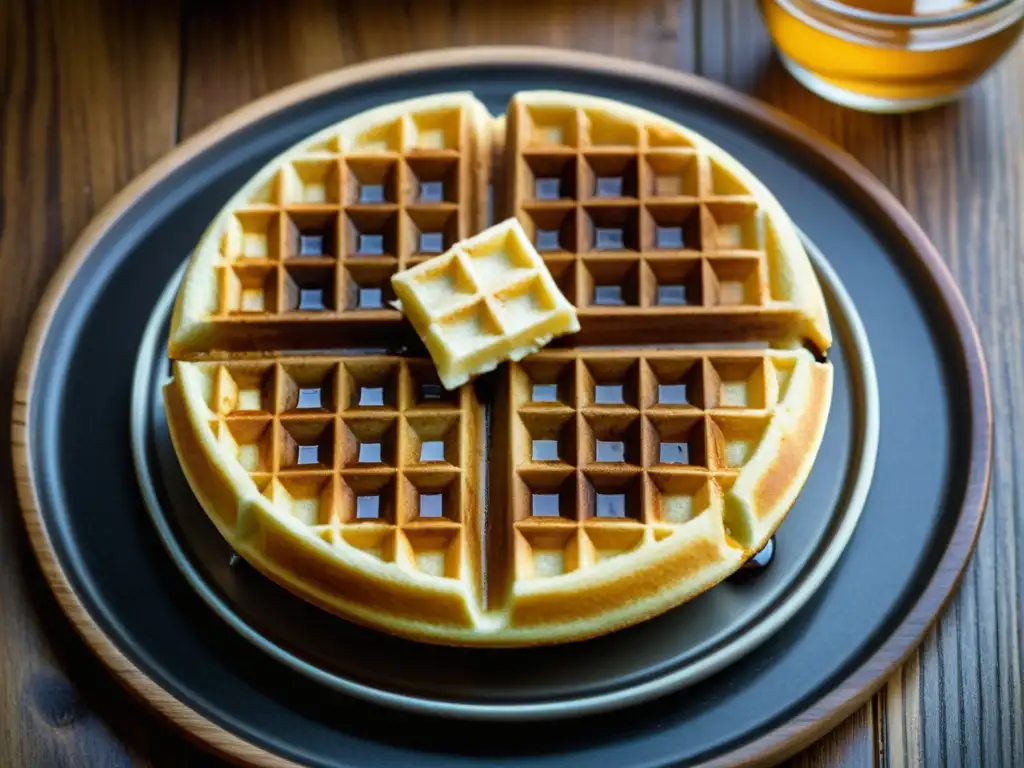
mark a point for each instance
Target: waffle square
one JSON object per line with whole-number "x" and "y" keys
{"x": 488, "y": 299}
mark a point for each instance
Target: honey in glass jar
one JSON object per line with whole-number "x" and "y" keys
{"x": 891, "y": 55}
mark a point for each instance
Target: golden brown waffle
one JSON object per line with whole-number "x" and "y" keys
{"x": 304, "y": 253}
{"x": 651, "y": 229}
{"x": 348, "y": 479}
{"x": 573, "y": 492}
{"x": 633, "y": 481}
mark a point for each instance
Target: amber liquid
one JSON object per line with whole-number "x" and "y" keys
{"x": 909, "y": 67}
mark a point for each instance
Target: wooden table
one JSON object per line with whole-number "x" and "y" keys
{"x": 92, "y": 92}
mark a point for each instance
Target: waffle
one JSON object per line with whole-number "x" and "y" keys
{"x": 635, "y": 481}
{"x": 574, "y": 490}
{"x": 652, "y": 230}
{"x": 488, "y": 299}
{"x": 350, "y": 479}
{"x": 303, "y": 254}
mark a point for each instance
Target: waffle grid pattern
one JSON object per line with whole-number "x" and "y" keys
{"x": 369, "y": 450}
{"x": 614, "y": 450}
{"x": 322, "y": 236}
{"x": 632, "y": 217}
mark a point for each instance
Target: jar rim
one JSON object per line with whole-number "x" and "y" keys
{"x": 901, "y": 20}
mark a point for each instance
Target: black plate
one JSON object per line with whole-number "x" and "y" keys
{"x": 925, "y": 491}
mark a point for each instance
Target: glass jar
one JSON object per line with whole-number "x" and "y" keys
{"x": 915, "y": 55}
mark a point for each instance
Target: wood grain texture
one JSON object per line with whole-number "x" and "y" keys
{"x": 88, "y": 99}
{"x": 963, "y": 695}
{"x": 91, "y": 95}
{"x": 237, "y": 51}
{"x": 851, "y": 744}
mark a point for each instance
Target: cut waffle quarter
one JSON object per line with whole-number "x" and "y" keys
{"x": 621, "y": 475}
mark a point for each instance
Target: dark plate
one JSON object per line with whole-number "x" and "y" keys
{"x": 103, "y": 556}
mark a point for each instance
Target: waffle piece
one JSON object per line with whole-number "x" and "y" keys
{"x": 633, "y": 481}
{"x": 652, "y": 230}
{"x": 488, "y": 299}
{"x": 301, "y": 257}
{"x": 352, "y": 481}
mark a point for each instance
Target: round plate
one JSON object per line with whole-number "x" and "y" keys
{"x": 679, "y": 648}
{"x": 104, "y": 558}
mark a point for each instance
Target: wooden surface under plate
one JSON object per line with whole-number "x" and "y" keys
{"x": 93, "y": 92}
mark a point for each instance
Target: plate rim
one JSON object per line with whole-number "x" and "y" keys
{"x": 772, "y": 746}
{"x": 787, "y": 604}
